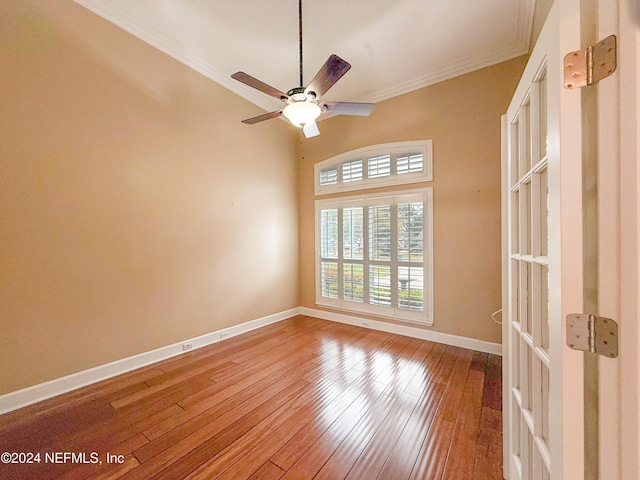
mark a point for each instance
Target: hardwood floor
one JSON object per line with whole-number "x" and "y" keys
{"x": 300, "y": 399}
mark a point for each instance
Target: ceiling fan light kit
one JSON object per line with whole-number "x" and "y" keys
{"x": 302, "y": 107}
{"x": 302, "y": 112}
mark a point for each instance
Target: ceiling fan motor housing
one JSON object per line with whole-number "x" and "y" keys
{"x": 298, "y": 94}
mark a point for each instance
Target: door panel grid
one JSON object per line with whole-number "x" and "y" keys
{"x": 528, "y": 278}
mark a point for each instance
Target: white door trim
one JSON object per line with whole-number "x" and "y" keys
{"x": 629, "y": 72}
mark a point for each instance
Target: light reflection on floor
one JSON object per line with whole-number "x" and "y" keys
{"x": 362, "y": 382}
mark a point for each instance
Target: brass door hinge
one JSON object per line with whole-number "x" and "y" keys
{"x": 592, "y": 334}
{"x": 588, "y": 66}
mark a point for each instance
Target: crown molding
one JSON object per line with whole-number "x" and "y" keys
{"x": 446, "y": 73}
{"x": 122, "y": 18}
{"x": 112, "y": 13}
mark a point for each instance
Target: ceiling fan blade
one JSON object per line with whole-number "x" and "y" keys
{"x": 333, "y": 69}
{"x": 263, "y": 117}
{"x": 259, "y": 85}
{"x": 348, "y": 108}
{"x": 311, "y": 130}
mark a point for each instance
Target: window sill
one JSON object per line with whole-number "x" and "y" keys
{"x": 414, "y": 320}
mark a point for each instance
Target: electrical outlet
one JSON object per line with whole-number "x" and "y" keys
{"x": 224, "y": 334}
{"x": 187, "y": 346}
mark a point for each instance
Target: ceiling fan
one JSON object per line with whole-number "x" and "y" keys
{"x": 303, "y": 105}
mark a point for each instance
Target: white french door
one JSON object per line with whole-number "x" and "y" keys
{"x": 527, "y": 179}
{"x": 543, "y": 436}
{"x": 556, "y": 227}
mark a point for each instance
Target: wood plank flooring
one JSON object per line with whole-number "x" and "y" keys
{"x": 300, "y": 399}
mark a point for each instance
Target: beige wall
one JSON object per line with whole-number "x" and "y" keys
{"x": 462, "y": 117}
{"x": 135, "y": 209}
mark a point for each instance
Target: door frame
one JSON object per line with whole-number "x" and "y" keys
{"x": 618, "y": 295}
{"x": 629, "y": 208}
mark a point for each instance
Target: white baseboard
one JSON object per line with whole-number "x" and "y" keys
{"x": 27, "y": 396}
{"x": 407, "y": 330}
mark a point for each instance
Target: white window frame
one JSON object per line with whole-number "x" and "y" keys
{"x": 425, "y": 195}
{"x": 395, "y": 150}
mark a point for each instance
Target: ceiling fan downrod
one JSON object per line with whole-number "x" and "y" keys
{"x": 300, "y": 37}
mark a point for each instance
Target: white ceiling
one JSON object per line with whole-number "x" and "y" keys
{"x": 394, "y": 46}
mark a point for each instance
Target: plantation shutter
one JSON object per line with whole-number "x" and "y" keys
{"x": 372, "y": 255}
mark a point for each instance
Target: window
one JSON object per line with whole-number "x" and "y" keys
{"x": 329, "y": 176}
{"x": 410, "y": 163}
{"x": 379, "y": 166}
{"x": 375, "y": 166}
{"x": 352, "y": 171}
{"x": 374, "y": 254}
